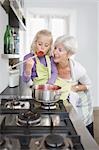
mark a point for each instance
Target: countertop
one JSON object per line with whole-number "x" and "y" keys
{"x": 87, "y": 141}
{"x": 18, "y": 91}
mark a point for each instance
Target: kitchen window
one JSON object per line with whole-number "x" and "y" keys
{"x": 58, "y": 21}
{"x": 58, "y": 26}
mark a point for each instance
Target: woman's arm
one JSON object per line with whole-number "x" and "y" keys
{"x": 79, "y": 87}
{"x": 81, "y": 77}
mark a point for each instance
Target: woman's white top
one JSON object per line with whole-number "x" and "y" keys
{"x": 82, "y": 101}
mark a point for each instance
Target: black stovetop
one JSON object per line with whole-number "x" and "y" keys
{"x": 32, "y": 137}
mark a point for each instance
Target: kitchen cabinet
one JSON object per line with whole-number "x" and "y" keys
{"x": 15, "y": 12}
{"x": 13, "y": 58}
{"x": 16, "y": 19}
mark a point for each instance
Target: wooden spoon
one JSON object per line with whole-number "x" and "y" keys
{"x": 38, "y": 54}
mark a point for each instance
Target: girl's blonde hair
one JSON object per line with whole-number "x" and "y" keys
{"x": 69, "y": 42}
{"x": 43, "y": 32}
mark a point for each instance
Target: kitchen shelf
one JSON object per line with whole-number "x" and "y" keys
{"x": 15, "y": 13}
{"x": 16, "y": 22}
{"x": 10, "y": 56}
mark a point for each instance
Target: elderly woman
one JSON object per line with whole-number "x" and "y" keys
{"x": 73, "y": 79}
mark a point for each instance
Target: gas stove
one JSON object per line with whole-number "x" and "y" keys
{"x": 34, "y": 127}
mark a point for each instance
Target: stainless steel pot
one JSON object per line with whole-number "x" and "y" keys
{"x": 46, "y": 93}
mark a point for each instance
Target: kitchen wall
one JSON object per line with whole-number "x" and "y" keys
{"x": 86, "y": 33}
{"x": 98, "y": 51}
{"x": 3, "y": 62}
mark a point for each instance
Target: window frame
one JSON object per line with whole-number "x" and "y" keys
{"x": 69, "y": 14}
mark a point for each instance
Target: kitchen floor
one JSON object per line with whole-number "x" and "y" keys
{"x": 96, "y": 124}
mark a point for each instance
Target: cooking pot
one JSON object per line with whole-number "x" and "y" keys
{"x": 46, "y": 93}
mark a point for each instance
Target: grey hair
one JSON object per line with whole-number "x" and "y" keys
{"x": 69, "y": 43}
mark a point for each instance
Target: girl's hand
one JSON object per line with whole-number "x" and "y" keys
{"x": 28, "y": 66}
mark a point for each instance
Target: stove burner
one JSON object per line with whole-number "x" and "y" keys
{"x": 14, "y": 104}
{"x": 54, "y": 141}
{"x": 28, "y": 118}
{"x": 48, "y": 106}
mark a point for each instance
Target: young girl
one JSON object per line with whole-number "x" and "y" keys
{"x": 40, "y": 70}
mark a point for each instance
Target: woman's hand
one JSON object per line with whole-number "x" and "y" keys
{"x": 75, "y": 88}
{"x": 28, "y": 66}
{"x": 79, "y": 87}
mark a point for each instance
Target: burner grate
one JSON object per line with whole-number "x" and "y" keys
{"x": 28, "y": 118}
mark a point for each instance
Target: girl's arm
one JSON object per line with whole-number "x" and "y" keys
{"x": 27, "y": 68}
